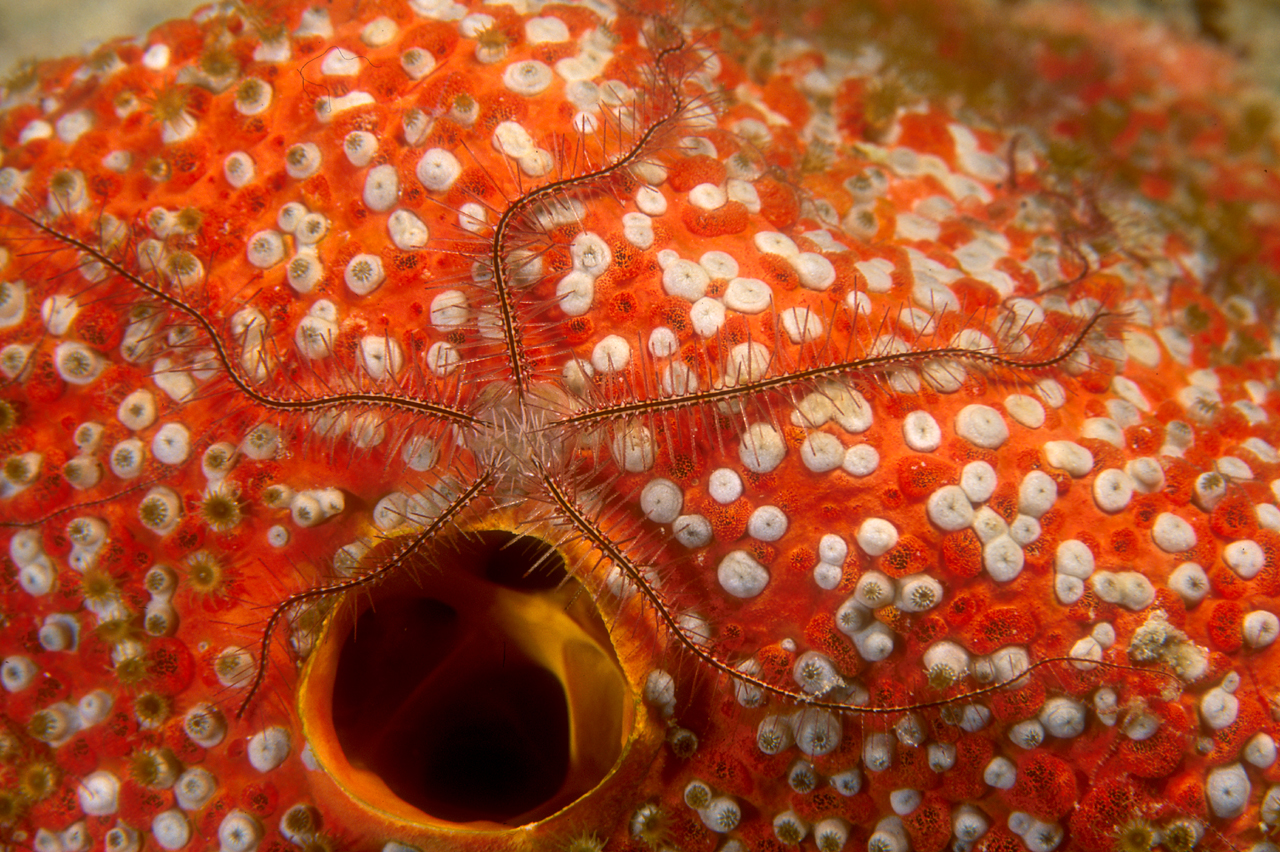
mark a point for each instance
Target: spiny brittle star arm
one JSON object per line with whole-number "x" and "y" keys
{"x": 602, "y": 542}
{"x": 513, "y": 218}
{"x": 266, "y": 399}
{"x": 865, "y": 365}
{"x": 404, "y": 551}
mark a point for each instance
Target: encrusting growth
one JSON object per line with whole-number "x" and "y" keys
{"x": 452, "y": 425}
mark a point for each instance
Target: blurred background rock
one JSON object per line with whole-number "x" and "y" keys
{"x": 40, "y": 28}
